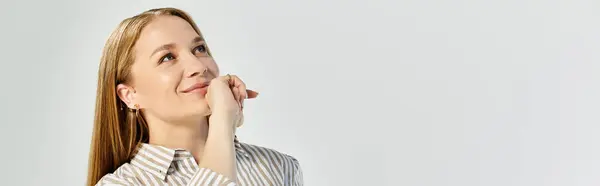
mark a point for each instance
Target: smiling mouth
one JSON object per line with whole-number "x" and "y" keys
{"x": 198, "y": 87}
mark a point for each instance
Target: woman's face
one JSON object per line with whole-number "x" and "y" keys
{"x": 170, "y": 59}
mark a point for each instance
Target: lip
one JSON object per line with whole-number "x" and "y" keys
{"x": 196, "y": 86}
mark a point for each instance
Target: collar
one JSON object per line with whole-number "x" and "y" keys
{"x": 157, "y": 159}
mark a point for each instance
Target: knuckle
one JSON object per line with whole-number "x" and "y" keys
{"x": 236, "y": 78}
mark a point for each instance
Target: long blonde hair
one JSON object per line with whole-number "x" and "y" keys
{"x": 117, "y": 130}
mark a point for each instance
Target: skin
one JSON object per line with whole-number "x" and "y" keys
{"x": 170, "y": 57}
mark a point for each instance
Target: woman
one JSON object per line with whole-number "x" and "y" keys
{"x": 164, "y": 116}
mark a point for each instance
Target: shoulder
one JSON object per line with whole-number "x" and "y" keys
{"x": 278, "y": 157}
{"x": 287, "y": 164}
{"x": 124, "y": 175}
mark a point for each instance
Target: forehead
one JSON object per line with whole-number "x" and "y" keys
{"x": 165, "y": 30}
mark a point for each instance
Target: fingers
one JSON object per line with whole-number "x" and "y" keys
{"x": 237, "y": 85}
{"x": 236, "y": 95}
{"x": 235, "y": 81}
{"x": 238, "y": 88}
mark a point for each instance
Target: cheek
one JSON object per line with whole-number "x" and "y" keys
{"x": 166, "y": 79}
{"x": 212, "y": 66}
{"x": 159, "y": 84}
{"x": 159, "y": 93}
{"x": 167, "y": 82}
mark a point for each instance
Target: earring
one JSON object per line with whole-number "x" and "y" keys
{"x": 137, "y": 108}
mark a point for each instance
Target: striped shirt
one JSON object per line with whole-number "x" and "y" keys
{"x": 157, "y": 165}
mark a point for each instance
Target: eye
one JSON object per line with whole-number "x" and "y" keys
{"x": 200, "y": 49}
{"x": 167, "y": 58}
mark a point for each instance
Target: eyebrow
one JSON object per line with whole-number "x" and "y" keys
{"x": 197, "y": 39}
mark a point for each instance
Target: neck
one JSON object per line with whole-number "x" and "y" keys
{"x": 190, "y": 136}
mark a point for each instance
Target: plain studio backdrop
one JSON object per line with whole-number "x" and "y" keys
{"x": 412, "y": 92}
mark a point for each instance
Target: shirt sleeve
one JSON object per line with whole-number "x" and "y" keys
{"x": 297, "y": 177}
{"x": 205, "y": 176}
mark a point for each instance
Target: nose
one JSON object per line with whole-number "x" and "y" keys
{"x": 194, "y": 66}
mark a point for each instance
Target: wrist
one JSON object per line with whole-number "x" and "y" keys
{"x": 221, "y": 122}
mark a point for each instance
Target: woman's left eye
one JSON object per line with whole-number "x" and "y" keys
{"x": 201, "y": 49}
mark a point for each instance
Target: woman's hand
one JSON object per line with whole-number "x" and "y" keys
{"x": 225, "y": 97}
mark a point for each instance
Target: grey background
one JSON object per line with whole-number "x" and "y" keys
{"x": 374, "y": 92}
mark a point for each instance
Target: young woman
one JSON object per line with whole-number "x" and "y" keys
{"x": 164, "y": 115}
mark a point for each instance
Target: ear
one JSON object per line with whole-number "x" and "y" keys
{"x": 127, "y": 95}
